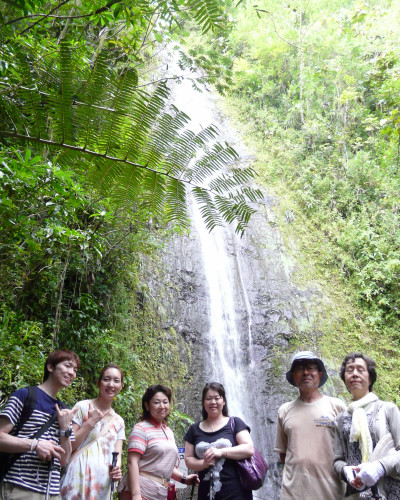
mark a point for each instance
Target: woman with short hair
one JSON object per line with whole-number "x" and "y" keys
{"x": 152, "y": 451}
{"x": 367, "y": 439}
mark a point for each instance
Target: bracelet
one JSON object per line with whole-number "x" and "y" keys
{"x": 183, "y": 479}
{"x": 34, "y": 444}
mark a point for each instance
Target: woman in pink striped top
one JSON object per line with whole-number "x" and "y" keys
{"x": 152, "y": 451}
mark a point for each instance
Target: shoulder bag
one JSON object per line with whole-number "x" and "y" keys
{"x": 252, "y": 471}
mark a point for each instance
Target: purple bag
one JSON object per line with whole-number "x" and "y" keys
{"x": 252, "y": 471}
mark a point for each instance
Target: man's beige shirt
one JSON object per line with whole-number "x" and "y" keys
{"x": 305, "y": 434}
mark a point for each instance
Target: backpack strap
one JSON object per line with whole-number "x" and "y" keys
{"x": 45, "y": 426}
{"x": 29, "y": 406}
{"x": 62, "y": 405}
{"x": 27, "y": 410}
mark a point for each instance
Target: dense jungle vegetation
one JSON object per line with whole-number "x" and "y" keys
{"x": 94, "y": 162}
{"x": 318, "y": 83}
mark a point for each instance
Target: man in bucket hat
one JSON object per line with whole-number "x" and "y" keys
{"x": 305, "y": 434}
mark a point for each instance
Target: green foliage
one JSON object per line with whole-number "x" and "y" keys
{"x": 21, "y": 346}
{"x": 100, "y": 117}
{"x": 318, "y": 84}
{"x": 95, "y": 163}
{"x": 71, "y": 276}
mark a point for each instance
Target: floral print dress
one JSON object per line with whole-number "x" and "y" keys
{"x": 87, "y": 474}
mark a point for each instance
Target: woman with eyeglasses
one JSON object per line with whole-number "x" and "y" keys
{"x": 367, "y": 440}
{"x": 152, "y": 451}
{"x": 214, "y": 445}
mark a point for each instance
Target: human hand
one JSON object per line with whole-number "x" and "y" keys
{"x": 349, "y": 473}
{"x": 95, "y": 415}
{"x": 211, "y": 455}
{"x": 115, "y": 473}
{"x": 46, "y": 450}
{"x": 64, "y": 417}
{"x": 370, "y": 473}
{"x": 192, "y": 479}
{"x": 356, "y": 482}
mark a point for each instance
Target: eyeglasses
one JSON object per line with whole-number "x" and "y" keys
{"x": 216, "y": 399}
{"x": 311, "y": 367}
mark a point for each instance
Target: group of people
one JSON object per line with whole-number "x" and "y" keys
{"x": 39, "y": 437}
{"x": 329, "y": 451}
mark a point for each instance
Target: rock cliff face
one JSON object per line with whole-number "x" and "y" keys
{"x": 268, "y": 309}
{"x": 276, "y": 310}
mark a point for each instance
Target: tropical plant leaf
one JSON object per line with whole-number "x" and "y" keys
{"x": 132, "y": 145}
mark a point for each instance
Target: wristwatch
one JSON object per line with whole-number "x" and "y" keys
{"x": 66, "y": 433}
{"x": 183, "y": 479}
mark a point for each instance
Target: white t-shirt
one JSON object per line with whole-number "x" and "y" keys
{"x": 305, "y": 434}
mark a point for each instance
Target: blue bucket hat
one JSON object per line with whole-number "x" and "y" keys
{"x": 310, "y": 356}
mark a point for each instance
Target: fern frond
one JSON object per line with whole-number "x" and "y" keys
{"x": 60, "y": 101}
{"x": 175, "y": 202}
{"x": 207, "y": 13}
{"x": 89, "y": 117}
{"x": 132, "y": 145}
{"x": 235, "y": 208}
{"x": 207, "y": 207}
{"x": 232, "y": 179}
{"x": 213, "y": 160}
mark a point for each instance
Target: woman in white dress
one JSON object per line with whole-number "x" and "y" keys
{"x": 99, "y": 432}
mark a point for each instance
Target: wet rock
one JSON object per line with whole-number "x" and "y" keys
{"x": 269, "y": 310}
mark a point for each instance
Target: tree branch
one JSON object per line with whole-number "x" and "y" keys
{"x": 275, "y": 29}
{"x": 47, "y": 15}
{"x": 92, "y": 153}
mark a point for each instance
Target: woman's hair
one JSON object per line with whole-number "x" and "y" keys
{"x": 148, "y": 395}
{"x": 58, "y": 356}
{"x": 214, "y": 386}
{"x": 103, "y": 371}
{"x": 371, "y": 366}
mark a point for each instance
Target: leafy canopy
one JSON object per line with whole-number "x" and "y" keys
{"x": 74, "y": 88}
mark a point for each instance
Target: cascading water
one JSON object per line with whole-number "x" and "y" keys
{"x": 232, "y": 302}
{"x": 226, "y": 363}
{"x": 220, "y": 268}
{"x": 230, "y": 347}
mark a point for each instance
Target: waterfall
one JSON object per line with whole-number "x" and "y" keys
{"x": 232, "y": 302}
{"x": 224, "y": 280}
{"x": 226, "y": 361}
{"x": 229, "y": 358}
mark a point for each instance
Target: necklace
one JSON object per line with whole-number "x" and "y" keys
{"x": 211, "y": 428}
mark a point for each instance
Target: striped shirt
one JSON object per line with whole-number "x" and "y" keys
{"x": 156, "y": 444}
{"x": 29, "y": 471}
